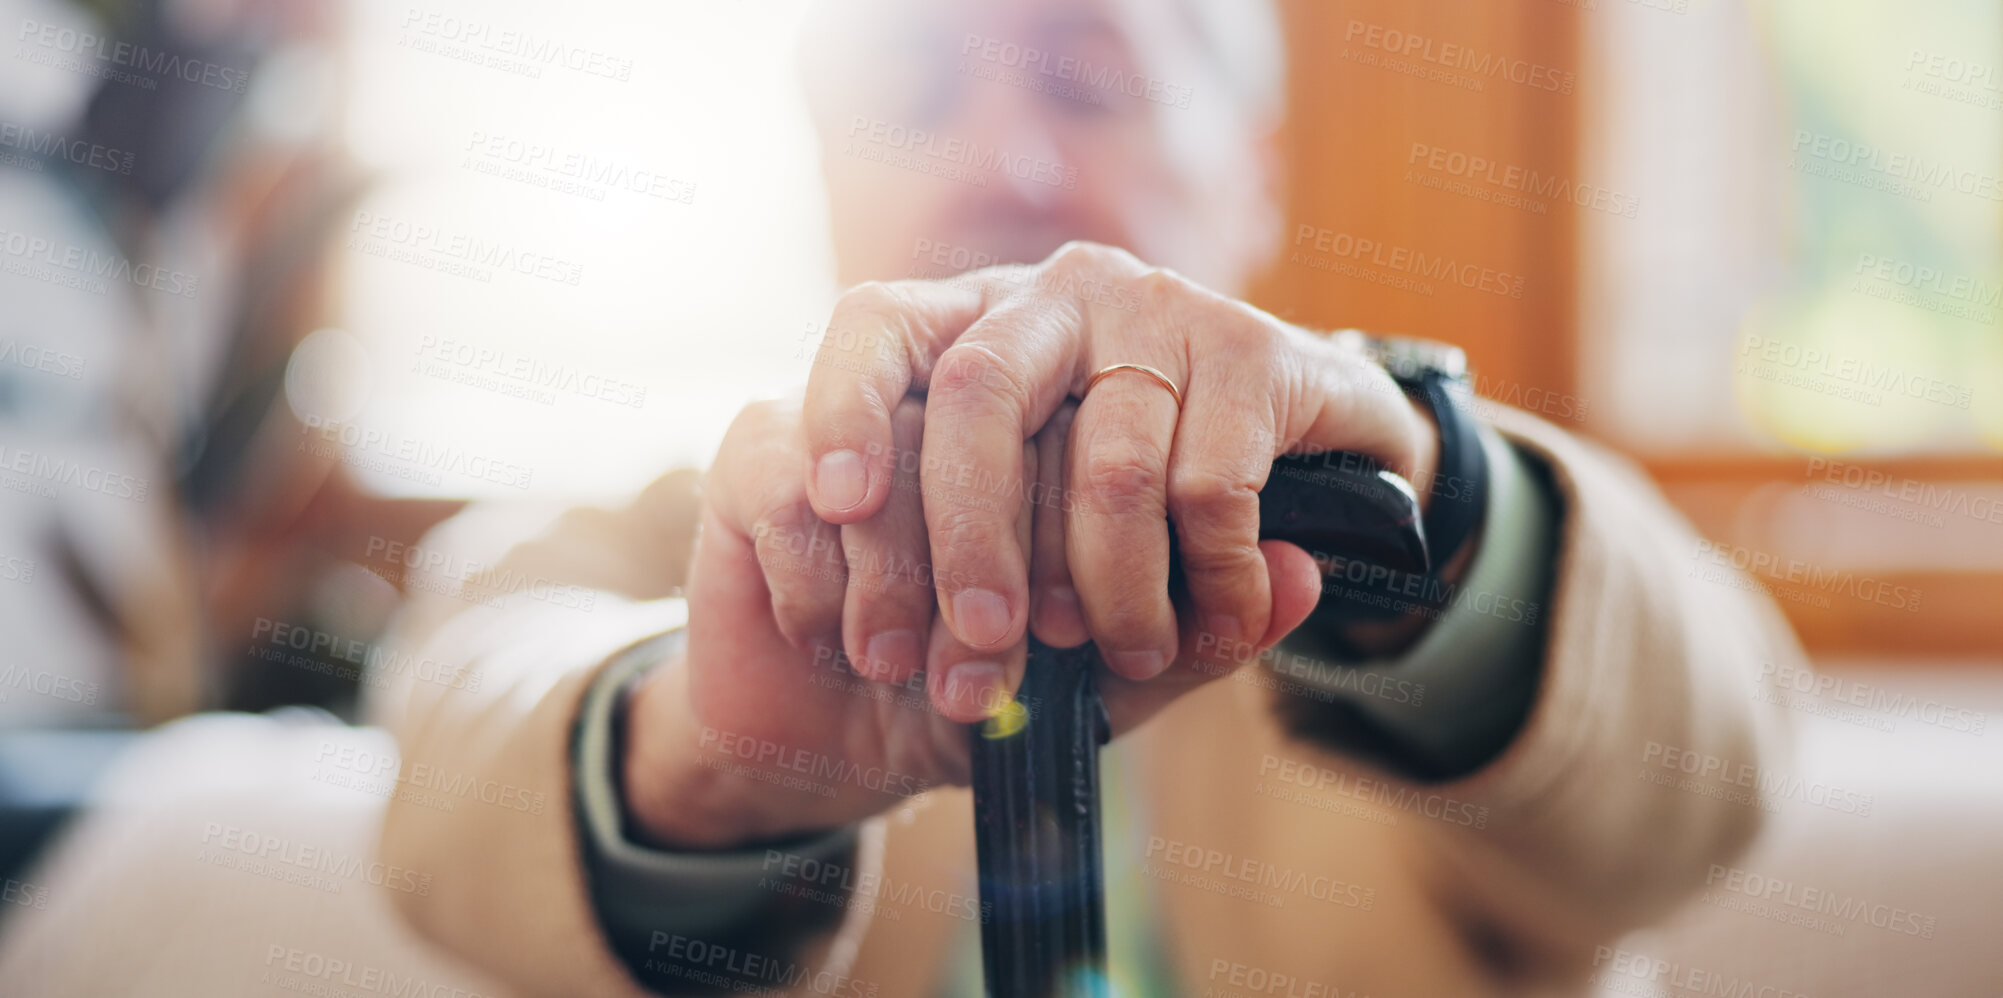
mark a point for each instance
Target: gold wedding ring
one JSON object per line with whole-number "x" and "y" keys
{"x": 1160, "y": 378}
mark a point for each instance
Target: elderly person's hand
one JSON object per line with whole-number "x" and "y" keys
{"x": 996, "y": 354}
{"x": 930, "y": 521}
{"x": 762, "y": 728}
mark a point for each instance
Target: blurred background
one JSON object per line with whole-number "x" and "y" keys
{"x": 284, "y": 284}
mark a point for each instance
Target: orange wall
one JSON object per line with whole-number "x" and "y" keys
{"x": 1351, "y": 134}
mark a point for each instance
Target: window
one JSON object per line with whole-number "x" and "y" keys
{"x": 1758, "y": 247}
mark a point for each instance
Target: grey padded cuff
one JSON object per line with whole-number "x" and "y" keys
{"x": 637, "y": 889}
{"x": 1456, "y": 698}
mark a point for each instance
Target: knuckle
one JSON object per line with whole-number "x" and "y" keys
{"x": 1248, "y": 335}
{"x": 786, "y": 518}
{"x": 791, "y": 607}
{"x": 973, "y": 371}
{"x": 1211, "y": 502}
{"x": 882, "y": 574}
{"x": 762, "y": 412}
{"x": 867, "y": 299}
{"x": 801, "y": 621}
{"x": 1160, "y": 287}
{"x": 869, "y": 328}
{"x": 1131, "y": 619}
{"x": 805, "y": 590}
{"x": 791, "y": 540}
{"x": 1125, "y": 480}
{"x": 963, "y": 540}
{"x": 754, "y": 420}
{"x": 1078, "y": 256}
{"x": 1092, "y": 274}
{"x": 1208, "y": 553}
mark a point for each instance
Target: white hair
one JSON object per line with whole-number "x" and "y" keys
{"x": 1245, "y": 40}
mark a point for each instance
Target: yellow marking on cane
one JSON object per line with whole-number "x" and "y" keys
{"x": 1006, "y": 721}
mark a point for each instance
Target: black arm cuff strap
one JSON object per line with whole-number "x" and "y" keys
{"x": 1460, "y": 483}
{"x": 1358, "y": 590}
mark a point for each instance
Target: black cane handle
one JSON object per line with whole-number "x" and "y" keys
{"x": 1036, "y": 765}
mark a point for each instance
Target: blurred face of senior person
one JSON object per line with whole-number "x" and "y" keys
{"x": 960, "y": 133}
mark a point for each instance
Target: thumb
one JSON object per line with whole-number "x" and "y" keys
{"x": 1296, "y": 583}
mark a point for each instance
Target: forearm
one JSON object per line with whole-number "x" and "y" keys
{"x": 1638, "y": 659}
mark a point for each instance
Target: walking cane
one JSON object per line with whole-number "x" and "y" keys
{"x": 1036, "y": 765}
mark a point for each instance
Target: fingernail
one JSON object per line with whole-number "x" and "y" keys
{"x": 1062, "y": 615}
{"x": 1137, "y": 664}
{"x": 975, "y": 690}
{"x": 841, "y": 480}
{"x": 891, "y": 653}
{"x": 982, "y": 615}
